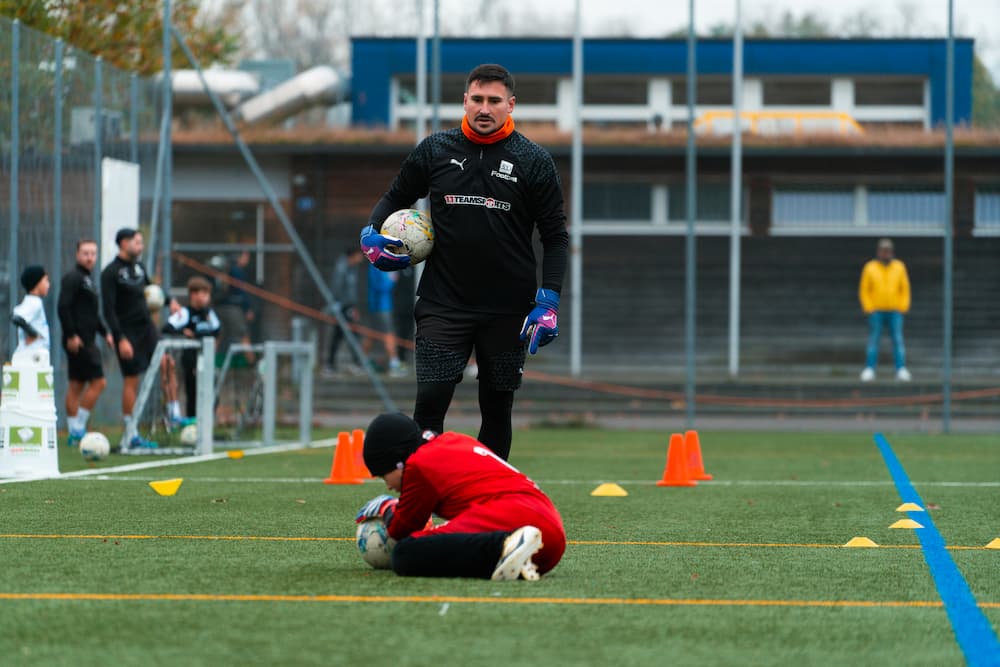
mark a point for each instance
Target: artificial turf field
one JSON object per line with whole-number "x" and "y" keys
{"x": 254, "y": 562}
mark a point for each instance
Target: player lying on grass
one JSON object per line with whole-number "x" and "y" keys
{"x": 500, "y": 525}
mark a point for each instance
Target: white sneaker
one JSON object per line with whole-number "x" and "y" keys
{"x": 903, "y": 375}
{"x": 868, "y": 374}
{"x": 515, "y": 559}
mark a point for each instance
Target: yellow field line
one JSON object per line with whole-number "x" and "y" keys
{"x": 205, "y": 597}
{"x": 280, "y": 538}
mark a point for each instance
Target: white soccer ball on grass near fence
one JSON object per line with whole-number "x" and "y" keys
{"x": 95, "y": 446}
{"x": 414, "y": 229}
{"x": 189, "y": 434}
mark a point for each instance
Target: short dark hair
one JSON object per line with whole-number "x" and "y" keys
{"x": 491, "y": 72}
{"x": 83, "y": 242}
{"x": 198, "y": 284}
{"x": 124, "y": 234}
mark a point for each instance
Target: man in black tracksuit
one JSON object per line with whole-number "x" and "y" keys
{"x": 489, "y": 188}
{"x": 123, "y": 284}
{"x": 80, "y": 319}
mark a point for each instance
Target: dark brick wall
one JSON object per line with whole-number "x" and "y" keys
{"x": 799, "y": 303}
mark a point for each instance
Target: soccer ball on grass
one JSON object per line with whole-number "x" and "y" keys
{"x": 95, "y": 446}
{"x": 414, "y": 229}
{"x": 375, "y": 544}
{"x": 189, "y": 435}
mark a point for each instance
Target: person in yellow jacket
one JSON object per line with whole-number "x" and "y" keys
{"x": 884, "y": 293}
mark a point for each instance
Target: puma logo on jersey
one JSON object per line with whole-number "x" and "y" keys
{"x": 461, "y": 165}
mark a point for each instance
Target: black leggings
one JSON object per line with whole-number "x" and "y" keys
{"x": 433, "y": 399}
{"x": 473, "y": 555}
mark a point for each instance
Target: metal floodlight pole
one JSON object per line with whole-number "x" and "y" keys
{"x": 420, "y": 129}
{"x": 949, "y": 192}
{"x": 166, "y": 137}
{"x": 57, "y": 177}
{"x": 300, "y": 246}
{"x": 736, "y": 198}
{"x": 692, "y": 212}
{"x": 15, "y": 166}
{"x": 133, "y": 117}
{"x": 154, "y": 224}
{"x": 436, "y": 71}
{"x": 98, "y": 143}
{"x": 421, "y": 120}
{"x": 576, "y": 205}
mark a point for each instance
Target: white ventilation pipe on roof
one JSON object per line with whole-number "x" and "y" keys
{"x": 232, "y": 86}
{"x": 317, "y": 85}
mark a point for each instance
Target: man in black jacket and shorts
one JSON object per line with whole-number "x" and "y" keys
{"x": 123, "y": 284}
{"x": 490, "y": 188}
{"x": 80, "y": 319}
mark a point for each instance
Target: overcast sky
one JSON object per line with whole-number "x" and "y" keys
{"x": 979, "y": 19}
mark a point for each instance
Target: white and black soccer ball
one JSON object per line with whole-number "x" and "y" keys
{"x": 189, "y": 435}
{"x": 375, "y": 544}
{"x": 414, "y": 229}
{"x": 154, "y": 297}
{"x": 95, "y": 446}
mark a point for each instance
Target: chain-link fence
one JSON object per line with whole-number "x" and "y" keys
{"x": 61, "y": 113}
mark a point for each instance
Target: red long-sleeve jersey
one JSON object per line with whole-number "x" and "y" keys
{"x": 455, "y": 475}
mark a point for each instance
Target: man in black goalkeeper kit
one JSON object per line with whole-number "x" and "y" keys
{"x": 489, "y": 188}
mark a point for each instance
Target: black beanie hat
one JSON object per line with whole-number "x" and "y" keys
{"x": 31, "y": 276}
{"x": 389, "y": 441}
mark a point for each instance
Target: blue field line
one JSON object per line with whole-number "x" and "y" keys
{"x": 972, "y": 629}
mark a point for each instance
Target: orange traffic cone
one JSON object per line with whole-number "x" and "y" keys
{"x": 676, "y": 471}
{"x": 358, "y": 451}
{"x": 342, "y": 470}
{"x": 696, "y": 468}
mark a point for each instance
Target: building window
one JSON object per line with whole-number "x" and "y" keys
{"x": 617, "y": 201}
{"x": 710, "y": 90}
{"x": 797, "y": 92}
{"x": 529, "y": 89}
{"x": 536, "y": 89}
{"x": 452, "y": 88}
{"x": 988, "y": 207}
{"x": 888, "y": 92}
{"x": 712, "y": 202}
{"x": 812, "y": 206}
{"x": 910, "y": 208}
{"x": 614, "y": 90}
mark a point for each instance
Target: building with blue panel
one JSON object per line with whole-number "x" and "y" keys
{"x": 811, "y": 210}
{"x": 630, "y": 81}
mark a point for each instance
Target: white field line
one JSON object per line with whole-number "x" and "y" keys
{"x": 562, "y": 482}
{"x": 166, "y": 463}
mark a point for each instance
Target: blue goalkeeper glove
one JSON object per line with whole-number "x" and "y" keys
{"x": 380, "y": 507}
{"x": 540, "y": 326}
{"x": 374, "y": 245}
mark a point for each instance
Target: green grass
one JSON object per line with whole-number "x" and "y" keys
{"x": 766, "y": 530}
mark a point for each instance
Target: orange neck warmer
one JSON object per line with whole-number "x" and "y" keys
{"x": 476, "y": 138}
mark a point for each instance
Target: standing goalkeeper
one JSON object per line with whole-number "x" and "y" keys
{"x": 489, "y": 188}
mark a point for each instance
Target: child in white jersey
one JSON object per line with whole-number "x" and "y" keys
{"x": 29, "y": 315}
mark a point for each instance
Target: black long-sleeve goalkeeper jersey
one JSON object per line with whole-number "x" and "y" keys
{"x": 79, "y": 307}
{"x": 485, "y": 202}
